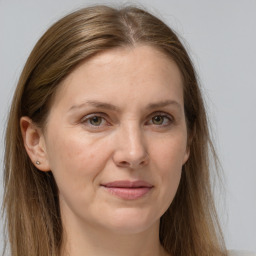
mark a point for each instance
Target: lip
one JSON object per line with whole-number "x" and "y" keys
{"x": 128, "y": 190}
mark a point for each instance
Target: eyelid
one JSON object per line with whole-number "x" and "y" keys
{"x": 161, "y": 113}
{"x": 88, "y": 116}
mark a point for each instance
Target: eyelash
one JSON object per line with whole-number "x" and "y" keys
{"x": 167, "y": 118}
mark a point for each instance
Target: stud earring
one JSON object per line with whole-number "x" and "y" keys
{"x": 37, "y": 162}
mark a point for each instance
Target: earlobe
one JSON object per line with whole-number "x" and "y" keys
{"x": 34, "y": 143}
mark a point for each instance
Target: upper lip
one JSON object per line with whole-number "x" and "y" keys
{"x": 127, "y": 184}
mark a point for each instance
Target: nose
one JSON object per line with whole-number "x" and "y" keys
{"x": 131, "y": 150}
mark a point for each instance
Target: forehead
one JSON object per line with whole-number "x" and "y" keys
{"x": 128, "y": 72}
{"x": 132, "y": 57}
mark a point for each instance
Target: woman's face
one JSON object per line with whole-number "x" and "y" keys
{"x": 116, "y": 140}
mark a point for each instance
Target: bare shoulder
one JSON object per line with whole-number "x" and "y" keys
{"x": 240, "y": 253}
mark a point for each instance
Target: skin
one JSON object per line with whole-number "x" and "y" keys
{"x": 86, "y": 144}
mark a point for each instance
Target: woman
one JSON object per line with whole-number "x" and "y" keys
{"x": 107, "y": 144}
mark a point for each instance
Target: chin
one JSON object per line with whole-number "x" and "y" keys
{"x": 131, "y": 221}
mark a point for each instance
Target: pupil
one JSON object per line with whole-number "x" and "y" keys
{"x": 158, "y": 119}
{"x": 95, "y": 120}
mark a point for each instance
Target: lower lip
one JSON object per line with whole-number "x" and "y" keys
{"x": 128, "y": 193}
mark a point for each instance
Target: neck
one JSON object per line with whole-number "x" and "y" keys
{"x": 87, "y": 240}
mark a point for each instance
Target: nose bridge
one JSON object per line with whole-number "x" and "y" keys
{"x": 134, "y": 139}
{"x": 131, "y": 149}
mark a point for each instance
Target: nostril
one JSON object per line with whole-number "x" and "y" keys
{"x": 142, "y": 162}
{"x": 132, "y": 164}
{"x": 124, "y": 163}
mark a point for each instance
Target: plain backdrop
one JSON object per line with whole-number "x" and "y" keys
{"x": 220, "y": 36}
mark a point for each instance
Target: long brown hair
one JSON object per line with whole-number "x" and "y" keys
{"x": 190, "y": 226}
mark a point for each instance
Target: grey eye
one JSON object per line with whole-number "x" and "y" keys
{"x": 95, "y": 120}
{"x": 158, "y": 120}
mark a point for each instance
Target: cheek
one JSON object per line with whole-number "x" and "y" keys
{"x": 170, "y": 152}
{"x": 77, "y": 162}
{"x": 168, "y": 160}
{"x": 76, "y": 158}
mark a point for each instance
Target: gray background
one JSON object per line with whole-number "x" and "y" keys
{"x": 220, "y": 36}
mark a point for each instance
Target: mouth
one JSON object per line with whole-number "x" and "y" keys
{"x": 128, "y": 190}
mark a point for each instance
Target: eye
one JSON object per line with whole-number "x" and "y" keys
{"x": 158, "y": 120}
{"x": 95, "y": 120}
{"x": 161, "y": 119}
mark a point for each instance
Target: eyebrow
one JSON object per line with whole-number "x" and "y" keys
{"x": 164, "y": 103}
{"x": 97, "y": 104}
{"x": 109, "y": 106}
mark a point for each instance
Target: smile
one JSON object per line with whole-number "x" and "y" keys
{"x": 128, "y": 190}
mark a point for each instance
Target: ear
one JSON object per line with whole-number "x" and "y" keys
{"x": 190, "y": 138}
{"x": 186, "y": 156}
{"x": 34, "y": 143}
